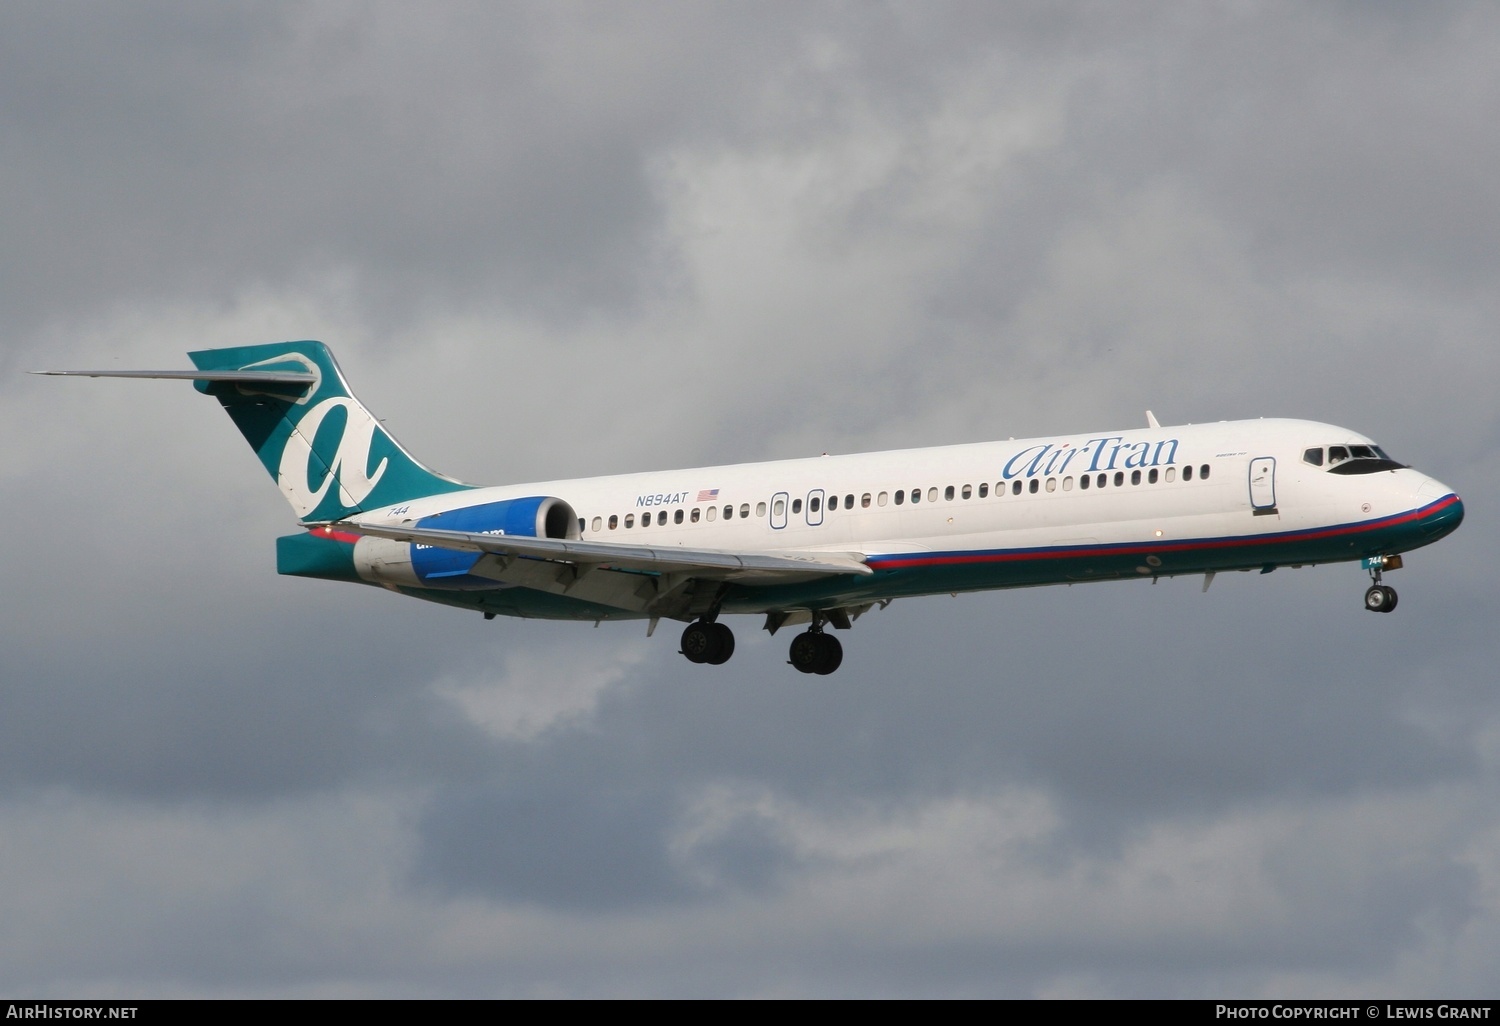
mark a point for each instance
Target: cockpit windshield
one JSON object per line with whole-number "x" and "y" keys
{"x": 1351, "y": 459}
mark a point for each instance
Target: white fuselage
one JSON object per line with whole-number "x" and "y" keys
{"x": 1185, "y": 499}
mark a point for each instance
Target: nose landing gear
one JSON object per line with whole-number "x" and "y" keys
{"x": 1380, "y": 598}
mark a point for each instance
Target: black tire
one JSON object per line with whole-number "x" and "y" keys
{"x": 806, "y": 652}
{"x": 699, "y": 643}
{"x": 831, "y": 656}
{"x": 1379, "y": 599}
{"x": 1390, "y": 594}
{"x": 723, "y": 644}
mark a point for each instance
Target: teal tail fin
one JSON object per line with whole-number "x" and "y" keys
{"x": 328, "y": 454}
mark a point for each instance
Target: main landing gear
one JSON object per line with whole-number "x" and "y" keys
{"x": 711, "y": 643}
{"x": 1380, "y": 598}
{"x": 812, "y": 651}
{"x": 815, "y": 652}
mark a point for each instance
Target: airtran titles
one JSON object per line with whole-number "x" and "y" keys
{"x": 1110, "y": 452}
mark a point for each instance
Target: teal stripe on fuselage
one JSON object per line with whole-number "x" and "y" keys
{"x": 932, "y": 573}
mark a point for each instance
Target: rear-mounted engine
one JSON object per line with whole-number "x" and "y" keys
{"x": 430, "y": 566}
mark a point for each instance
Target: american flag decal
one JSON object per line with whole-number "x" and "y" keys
{"x": 707, "y": 495}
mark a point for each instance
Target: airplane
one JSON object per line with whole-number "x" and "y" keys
{"x": 817, "y": 541}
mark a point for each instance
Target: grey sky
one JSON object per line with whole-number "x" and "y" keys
{"x": 552, "y": 239}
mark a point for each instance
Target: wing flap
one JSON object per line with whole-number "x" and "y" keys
{"x": 714, "y": 564}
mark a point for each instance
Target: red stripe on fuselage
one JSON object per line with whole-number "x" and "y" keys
{"x": 1047, "y": 552}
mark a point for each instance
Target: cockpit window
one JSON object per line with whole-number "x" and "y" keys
{"x": 1353, "y": 459}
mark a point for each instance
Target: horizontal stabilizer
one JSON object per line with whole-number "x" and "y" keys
{"x": 239, "y": 377}
{"x": 288, "y": 384}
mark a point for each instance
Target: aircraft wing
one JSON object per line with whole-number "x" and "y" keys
{"x": 712, "y": 564}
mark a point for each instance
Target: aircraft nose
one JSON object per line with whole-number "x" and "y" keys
{"x": 1442, "y": 510}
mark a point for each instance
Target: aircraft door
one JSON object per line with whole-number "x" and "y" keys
{"x": 815, "y": 507}
{"x": 1263, "y": 485}
{"x": 778, "y": 510}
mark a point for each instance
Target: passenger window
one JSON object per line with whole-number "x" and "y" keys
{"x": 598, "y": 524}
{"x": 1083, "y": 482}
{"x": 780, "y": 508}
{"x": 1171, "y": 474}
{"x": 1015, "y": 488}
{"x": 580, "y": 524}
{"x": 1203, "y": 472}
{"x": 796, "y": 505}
{"x": 711, "y": 514}
{"x": 694, "y": 516}
{"x": 1119, "y": 479}
{"x": 864, "y": 501}
{"x": 1067, "y": 484}
{"x": 880, "y": 499}
{"x": 1103, "y": 480}
{"x": 900, "y": 497}
{"x": 1151, "y": 476}
{"x": 1187, "y": 473}
{"x": 760, "y": 509}
{"x": 948, "y": 493}
{"x": 1051, "y": 484}
{"x": 1036, "y": 486}
{"x": 916, "y": 496}
{"x": 849, "y": 501}
{"x": 984, "y": 489}
{"x": 614, "y": 521}
{"x": 932, "y": 494}
{"x": 1313, "y": 456}
{"x": 728, "y": 512}
{"x": 629, "y": 520}
{"x": 677, "y": 517}
{"x": 1135, "y": 477}
{"x": 812, "y": 505}
{"x": 645, "y": 519}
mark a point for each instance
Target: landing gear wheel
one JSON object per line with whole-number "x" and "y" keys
{"x": 804, "y": 651}
{"x": 698, "y": 642}
{"x": 816, "y": 652}
{"x": 832, "y": 655}
{"x": 724, "y": 638}
{"x": 711, "y": 643}
{"x": 1380, "y": 598}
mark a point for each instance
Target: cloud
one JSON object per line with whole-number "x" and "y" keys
{"x": 958, "y": 894}
{"x": 534, "y": 694}
{"x": 562, "y": 240}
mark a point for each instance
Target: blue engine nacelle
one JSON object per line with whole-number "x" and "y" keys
{"x": 431, "y": 566}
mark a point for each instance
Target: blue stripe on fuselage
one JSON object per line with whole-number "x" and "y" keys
{"x": 1398, "y": 532}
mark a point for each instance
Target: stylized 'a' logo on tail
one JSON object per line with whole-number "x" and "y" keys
{"x": 328, "y": 454}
